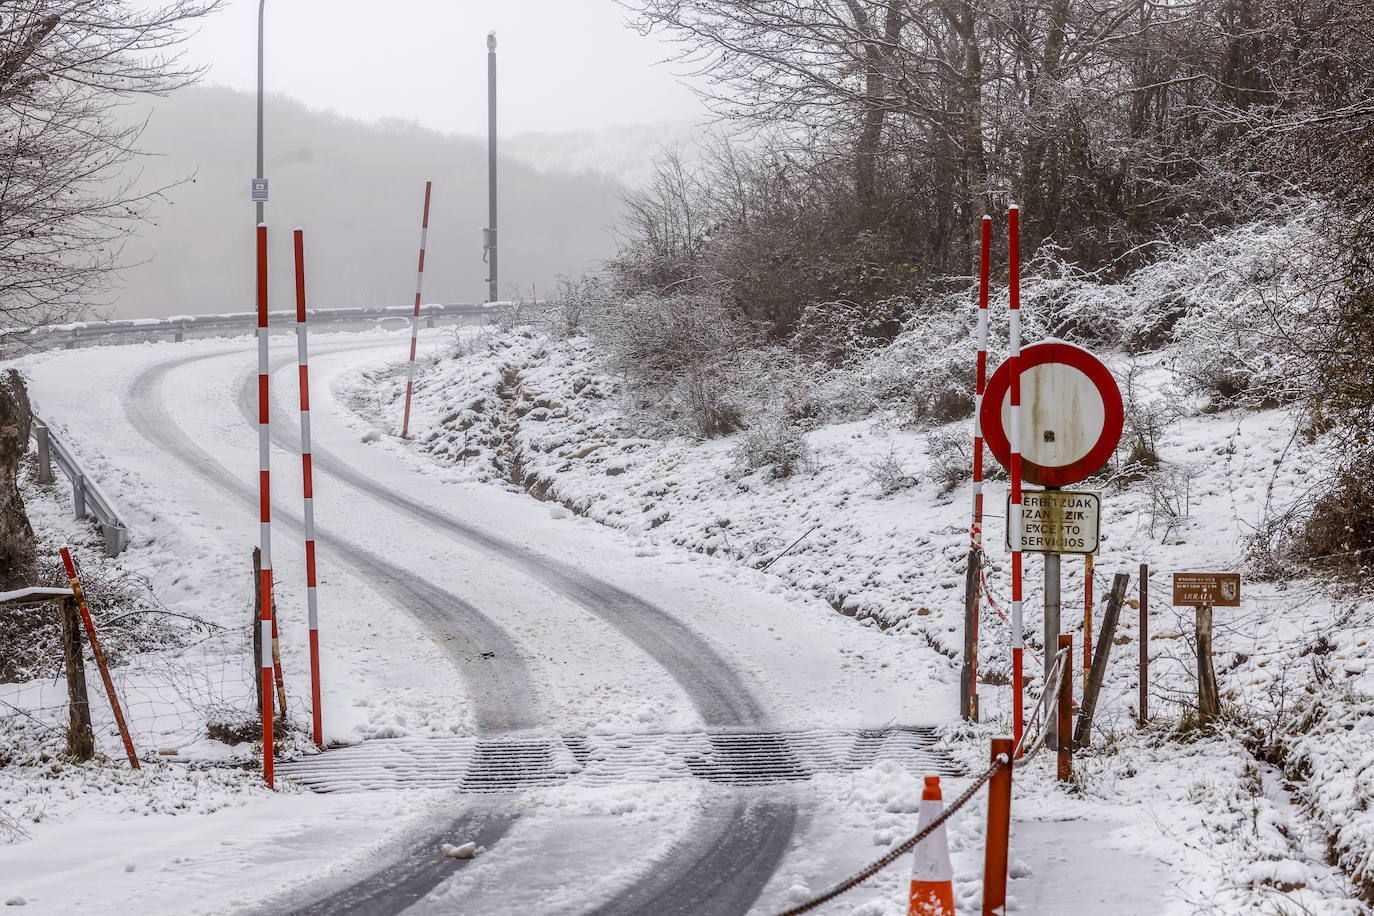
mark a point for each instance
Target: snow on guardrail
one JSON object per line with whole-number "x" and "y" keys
{"x": 75, "y": 333}
{"x": 87, "y": 496}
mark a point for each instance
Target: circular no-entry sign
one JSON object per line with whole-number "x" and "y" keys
{"x": 1071, "y": 414}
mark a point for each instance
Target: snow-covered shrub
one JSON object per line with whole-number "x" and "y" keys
{"x": 1247, "y": 298}
{"x": 838, "y": 331}
{"x": 1338, "y": 534}
{"x": 775, "y": 443}
{"x": 681, "y": 358}
{"x": 949, "y": 456}
{"x": 1063, "y": 301}
{"x": 574, "y": 302}
{"x": 927, "y": 374}
{"x": 1147, "y": 419}
{"x": 890, "y": 474}
{"x": 1327, "y": 747}
{"x": 1171, "y": 499}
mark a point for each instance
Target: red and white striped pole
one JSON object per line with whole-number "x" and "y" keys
{"x": 415, "y": 319}
{"x": 306, "y": 477}
{"x": 1014, "y": 523}
{"x": 980, "y": 386}
{"x": 265, "y": 524}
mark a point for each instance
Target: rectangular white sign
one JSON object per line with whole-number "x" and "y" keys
{"x": 1057, "y": 521}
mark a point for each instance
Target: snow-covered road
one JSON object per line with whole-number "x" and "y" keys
{"x": 454, "y": 608}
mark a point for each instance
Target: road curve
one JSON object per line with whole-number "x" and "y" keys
{"x": 723, "y": 866}
{"x": 498, "y": 684}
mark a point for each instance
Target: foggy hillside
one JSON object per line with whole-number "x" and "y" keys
{"x": 357, "y": 189}
{"x": 625, "y": 153}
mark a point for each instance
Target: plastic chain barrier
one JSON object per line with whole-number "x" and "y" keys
{"x": 898, "y": 851}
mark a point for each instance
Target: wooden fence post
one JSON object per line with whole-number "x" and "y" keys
{"x": 1208, "y": 700}
{"x": 257, "y": 619}
{"x": 1104, "y": 647}
{"x": 257, "y": 638}
{"x": 1144, "y": 585}
{"x": 998, "y": 837}
{"x": 41, "y": 433}
{"x": 80, "y": 738}
{"x": 89, "y": 624}
{"x": 968, "y": 689}
{"x": 1087, "y": 617}
{"x": 1065, "y": 730}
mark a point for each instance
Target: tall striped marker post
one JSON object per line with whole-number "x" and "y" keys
{"x": 309, "y": 486}
{"x": 265, "y": 498}
{"x": 1014, "y": 522}
{"x": 415, "y": 318}
{"x": 972, "y": 589}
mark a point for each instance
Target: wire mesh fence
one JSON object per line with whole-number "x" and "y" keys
{"x": 173, "y": 696}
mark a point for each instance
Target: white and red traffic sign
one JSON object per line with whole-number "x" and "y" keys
{"x": 1057, "y": 521}
{"x": 1071, "y": 414}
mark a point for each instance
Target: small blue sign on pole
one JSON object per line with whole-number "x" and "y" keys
{"x": 259, "y": 190}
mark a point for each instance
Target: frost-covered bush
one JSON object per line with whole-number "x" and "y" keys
{"x": 838, "y": 331}
{"x": 1338, "y": 534}
{"x": 1148, "y": 418}
{"x": 1328, "y": 749}
{"x": 681, "y": 358}
{"x": 574, "y": 302}
{"x": 1232, "y": 312}
{"x": 927, "y": 374}
{"x": 949, "y": 456}
{"x": 775, "y": 443}
{"x": 1245, "y": 299}
{"x": 889, "y": 473}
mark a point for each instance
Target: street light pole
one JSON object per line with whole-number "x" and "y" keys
{"x": 261, "y": 4}
{"x": 491, "y": 167}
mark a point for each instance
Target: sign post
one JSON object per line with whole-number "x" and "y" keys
{"x": 1070, "y": 429}
{"x": 1204, "y": 591}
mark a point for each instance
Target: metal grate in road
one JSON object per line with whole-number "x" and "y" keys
{"x": 513, "y": 764}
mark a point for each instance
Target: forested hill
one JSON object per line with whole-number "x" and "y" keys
{"x": 357, "y": 190}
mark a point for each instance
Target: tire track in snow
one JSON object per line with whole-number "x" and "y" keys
{"x": 723, "y": 866}
{"x": 499, "y": 686}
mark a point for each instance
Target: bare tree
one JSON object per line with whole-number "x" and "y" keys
{"x": 67, "y": 197}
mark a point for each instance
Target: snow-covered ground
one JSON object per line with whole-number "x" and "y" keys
{"x": 1230, "y": 830}
{"x": 1183, "y": 822}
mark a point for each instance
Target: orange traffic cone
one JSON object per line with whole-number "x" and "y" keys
{"x": 932, "y": 877}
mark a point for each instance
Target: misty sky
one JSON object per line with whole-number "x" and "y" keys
{"x": 564, "y": 64}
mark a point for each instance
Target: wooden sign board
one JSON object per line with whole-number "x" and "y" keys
{"x": 1215, "y": 589}
{"x": 1057, "y": 521}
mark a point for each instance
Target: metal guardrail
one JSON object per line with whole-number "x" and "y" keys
{"x": 178, "y": 326}
{"x": 87, "y": 497}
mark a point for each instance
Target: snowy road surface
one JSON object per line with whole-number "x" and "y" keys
{"x": 449, "y": 608}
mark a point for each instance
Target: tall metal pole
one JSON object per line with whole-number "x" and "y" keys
{"x": 491, "y": 167}
{"x": 1052, "y": 627}
{"x": 264, "y": 456}
{"x": 261, "y": 4}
